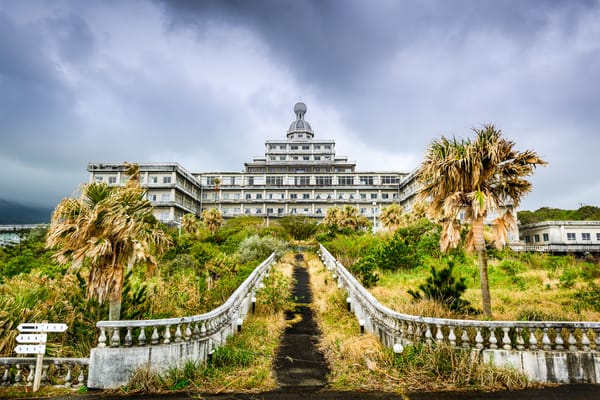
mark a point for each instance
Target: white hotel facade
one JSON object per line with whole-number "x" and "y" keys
{"x": 298, "y": 175}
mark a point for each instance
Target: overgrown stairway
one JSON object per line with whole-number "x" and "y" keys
{"x": 299, "y": 363}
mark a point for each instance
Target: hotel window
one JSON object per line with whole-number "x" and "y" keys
{"x": 302, "y": 180}
{"x": 225, "y": 210}
{"x": 250, "y": 180}
{"x": 363, "y": 210}
{"x": 597, "y": 236}
{"x": 259, "y": 210}
{"x": 280, "y": 211}
{"x": 236, "y": 210}
{"x": 269, "y": 211}
{"x": 305, "y": 147}
{"x": 586, "y": 236}
{"x": 293, "y": 211}
{"x": 281, "y": 158}
{"x": 317, "y": 147}
{"x": 346, "y": 180}
{"x": 236, "y": 196}
{"x": 373, "y": 195}
{"x": 305, "y": 211}
{"x": 327, "y": 147}
{"x": 165, "y": 197}
{"x": 154, "y": 179}
{"x": 363, "y": 196}
{"x": 152, "y": 197}
{"x": 536, "y": 238}
{"x": 294, "y": 147}
{"x": 166, "y": 179}
{"x": 318, "y": 211}
{"x": 306, "y": 158}
{"x": 388, "y": 180}
{"x": 295, "y": 158}
{"x": 323, "y": 180}
{"x": 570, "y": 235}
{"x": 385, "y": 196}
{"x": 318, "y": 197}
{"x": 293, "y": 196}
{"x": 248, "y": 196}
{"x": 112, "y": 180}
{"x": 341, "y": 197}
{"x": 527, "y": 239}
{"x": 282, "y": 147}
{"x": 259, "y": 195}
{"x": 273, "y": 158}
{"x": 300, "y": 135}
{"x": 317, "y": 158}
{"x": 246, "y": 211}
{"x": 366, "y": 180}
{"x": 546, "y": 237}
{"x": 225, "y": 196}
{"x": 98, "y": 179}
{"x": 305, "y": 196}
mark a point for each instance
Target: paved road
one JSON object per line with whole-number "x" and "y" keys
{"x": 566, "y": 392}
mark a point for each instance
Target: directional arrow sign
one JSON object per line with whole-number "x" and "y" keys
{"x": 30, "y": 349}
{"x": 42, "y": 327}
{"x": 32, "y": 338}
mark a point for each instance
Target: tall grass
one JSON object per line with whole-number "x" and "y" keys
{"x": 360, "y": 362}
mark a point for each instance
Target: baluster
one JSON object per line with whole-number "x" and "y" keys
{"x": 203, "y": 330}
{"x": 142, "y": 337}
{"x": 558, "y": 341}
{"x": 409, "y": 331}
{"x": 546, "y": 340}
{"x": 115, "y": 340}
{"x": 178, "y": 334}
{"x": 452, "y": 336}
{"x": 19, "y": 374}
{"x": 44, "y": 377}
{"x": 196, "y": 331}
{"x": 493, "y": 340}
{"x": 520, "y": 340}
{"x": 417, "y": 333}
{"x": 155, "y": 337}
{"x": 532, "y": 339}
{"x": 188, "y": 332}
{"x": 572, "y": 341}
{"x": 478, "y": 338}
{"x": 428, "y": 334}
{"x": 585, "y": 341}
{"x": 80, "y": 377}
{"x": 439, "y": 335}
{"x": 464, "y": 338}
{"x": 31, "y": 374}
{"x": 102, "y": 338}
{"x": 128, "y": 338}
{"x": 597, "y": 339}
{"x": 69, "y": 376}
{"x": 167, "y": 337}
{"x": 5, "y": 375}
{"x": 506, "y": 339}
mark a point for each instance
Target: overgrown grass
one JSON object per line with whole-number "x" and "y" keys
{"x": 244, "y": 363}
{"x": 360, "y": 362}
{"x": 522, "y": 286}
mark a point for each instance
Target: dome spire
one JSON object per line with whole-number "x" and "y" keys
{"x": 300, "y": 129}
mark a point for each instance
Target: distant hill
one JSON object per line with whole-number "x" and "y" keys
{"x": 585, "y": 213}
{"x": 16, "y": 213}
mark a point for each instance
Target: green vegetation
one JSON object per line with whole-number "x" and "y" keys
{"x": 584, "y": 213}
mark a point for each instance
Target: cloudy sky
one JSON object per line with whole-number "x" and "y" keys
{"x": 205, "y": 83}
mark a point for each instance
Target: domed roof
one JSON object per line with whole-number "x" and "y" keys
{"x": 300, "y": 125}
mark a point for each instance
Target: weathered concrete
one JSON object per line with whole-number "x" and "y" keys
{"x": 549, "y": 366}
{"x": 115, "y": 366}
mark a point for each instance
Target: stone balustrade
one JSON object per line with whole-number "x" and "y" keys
{"x": 124, "y": 346}
{"x": 63, "y": 372}
{"x": 395, "y": 328}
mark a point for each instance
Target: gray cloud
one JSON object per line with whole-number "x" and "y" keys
{"x": 205, "y": 83}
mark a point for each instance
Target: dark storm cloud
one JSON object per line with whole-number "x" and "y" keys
{"x": 204, "y": 83}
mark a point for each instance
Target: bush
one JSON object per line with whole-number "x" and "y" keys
{"x": 444, "y": 288}
{"x": 299, "y": 227}
{"x": 259, "y": 248}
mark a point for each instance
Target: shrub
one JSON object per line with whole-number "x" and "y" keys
{"x": 258, "y": 248}
{"x": 299, "y": 227}
{"x": 444, "y": 288}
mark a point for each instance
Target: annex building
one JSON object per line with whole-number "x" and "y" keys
{"x": 298, "y": 175}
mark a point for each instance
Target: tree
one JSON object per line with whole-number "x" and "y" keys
{"x": 392, "y": 217}
{"x": 112, "y": 228}
{"x": 212, "y": 219}
{"x": 345, "y": 218}
{"x": 474, "y": 176}
{"x": 189, "y": 224}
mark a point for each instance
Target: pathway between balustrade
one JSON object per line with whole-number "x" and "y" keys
{"x": 299, "y": 363}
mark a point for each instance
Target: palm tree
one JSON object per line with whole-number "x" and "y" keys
{"x": 189, "y": 223}
{"x": 475, "y": 177}
{"x": 213, "y": 219}
{"x": 110, "y": 227}
{"x": 392, "y": 217}
{"x": 347, "y": 217}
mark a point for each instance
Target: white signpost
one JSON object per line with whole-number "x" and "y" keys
{"x": 37, "y": 344}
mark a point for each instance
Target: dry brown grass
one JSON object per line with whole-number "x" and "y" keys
{"x": 360, "y": 362}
